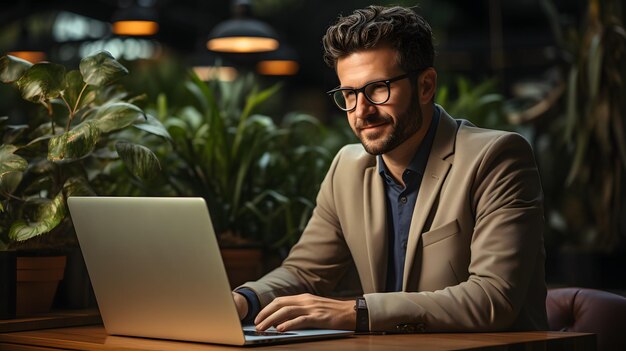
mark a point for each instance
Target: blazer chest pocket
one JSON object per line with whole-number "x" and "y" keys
{"x": 436, "y": 235}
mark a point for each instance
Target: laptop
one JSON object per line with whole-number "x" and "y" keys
{"x": 156, "y": 271}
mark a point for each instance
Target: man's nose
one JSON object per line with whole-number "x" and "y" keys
{"x": 363, "y": 107}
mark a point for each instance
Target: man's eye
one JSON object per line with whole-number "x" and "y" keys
{"x": 379, "y": 87}
{"x": 377, "y": 92}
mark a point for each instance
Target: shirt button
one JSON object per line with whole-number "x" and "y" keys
{"x": 404, "y": 245}
{"x": 403, "y": 199}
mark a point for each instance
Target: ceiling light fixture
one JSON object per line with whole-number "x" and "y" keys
{"x": 27, "y": 48}
{"x": 282, "y": 62}
{"x": 207, "y": 66}
{"x": 136, "y": 19}
{"x": 242, "y": 34}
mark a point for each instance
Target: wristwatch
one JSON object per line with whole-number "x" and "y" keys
{"x": 362, "y": 316}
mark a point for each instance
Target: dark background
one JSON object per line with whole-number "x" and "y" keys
{"x": 479, "y": 39}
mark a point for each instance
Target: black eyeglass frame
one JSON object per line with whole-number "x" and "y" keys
{"x": 356, "y": 91}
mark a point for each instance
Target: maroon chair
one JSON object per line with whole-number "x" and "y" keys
{"x": 589, "y": 311}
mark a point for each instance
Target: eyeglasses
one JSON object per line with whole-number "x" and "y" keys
{"x": 376, "y": 92}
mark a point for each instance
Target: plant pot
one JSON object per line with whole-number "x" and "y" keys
{"x": 242, "y": 264}
{"x": 7, "y": 289}
{"x": 37, "y": 281}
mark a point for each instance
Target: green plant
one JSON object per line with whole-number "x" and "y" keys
{"x": 479, "y": 103}
{"x": 259, "y": 177}
{"x": 69, "y": 150}
{"x": 590, "y": 136}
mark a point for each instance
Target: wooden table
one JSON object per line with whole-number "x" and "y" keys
{"x": 94, "y": 338}
{"x": 54, "y": 319}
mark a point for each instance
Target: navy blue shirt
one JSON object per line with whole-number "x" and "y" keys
{"x": 401, "y": 203}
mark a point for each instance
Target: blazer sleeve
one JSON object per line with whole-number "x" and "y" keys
{"x": 506, "y": 251}
{"x": 320, "y": 258}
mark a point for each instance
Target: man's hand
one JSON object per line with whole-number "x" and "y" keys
{"x": 307, "y": 311}
{"x": 242, "y": 305}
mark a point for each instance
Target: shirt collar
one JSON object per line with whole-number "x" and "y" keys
{"x": 418, "y": 163}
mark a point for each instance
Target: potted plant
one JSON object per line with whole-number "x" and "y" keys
{"x": 70, "y": 149}
{"x": 259, "y": 176}
{"x": 581, "y": 148}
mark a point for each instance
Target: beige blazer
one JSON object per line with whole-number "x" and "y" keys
{"x": 475, "y": 255}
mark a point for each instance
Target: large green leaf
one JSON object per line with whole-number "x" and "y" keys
{"x": 153, "y": 126}
{"x": 75, "y": 144}
{"x": 49, "y": 215}
{"x": 74, "y": 86}
{"x": 101, "y": 68}
{"x": 12, "y": 168}
{"x": 140, "y": 160}
{"x": 201, "y": 92}
{"x": 252, "y": 102}
{"x": 256, "y": 99}
{"x": 42, "y": 82}
{"x": 12, "y": 68}
{"x": 117, "y": 115}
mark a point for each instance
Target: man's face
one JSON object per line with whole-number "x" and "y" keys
{"x": 381, "y": 128}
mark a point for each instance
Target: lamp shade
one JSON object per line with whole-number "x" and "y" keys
{"x": 28, "y": 47}
{"x": 281, "y": 62}
{"x": 30, "y": 56}
{"x": 207, "y": 66}
{"x": 241, "y": 35}
{"x": 135, "y": 21}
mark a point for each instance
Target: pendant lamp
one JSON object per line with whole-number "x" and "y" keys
{"x": 135, "y": 19}
{"x": 242, "y": 34}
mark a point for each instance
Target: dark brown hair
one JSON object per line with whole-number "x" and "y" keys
{"x": 399, "y": 27}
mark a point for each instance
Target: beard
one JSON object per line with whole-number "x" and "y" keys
{"x": 406, "y": 125}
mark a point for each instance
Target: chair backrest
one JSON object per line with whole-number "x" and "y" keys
{"x": 589, "y": 311}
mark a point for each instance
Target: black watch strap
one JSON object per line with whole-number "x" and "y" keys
{"x": 362, "y": 316}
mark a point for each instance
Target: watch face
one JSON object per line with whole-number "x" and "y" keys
{"x": 360, "y": 303}
{"x": 362, "y": 318}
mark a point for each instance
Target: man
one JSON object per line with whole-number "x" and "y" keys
{"x": 443, "y": 220}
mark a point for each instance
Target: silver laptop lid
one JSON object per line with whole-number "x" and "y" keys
{"x": 148, "y": 261}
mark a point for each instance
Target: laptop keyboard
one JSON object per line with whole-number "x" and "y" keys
{"x": 265, "y": 333}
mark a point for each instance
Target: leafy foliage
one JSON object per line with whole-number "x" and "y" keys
{"x": 258, "y": 176}
{"x": 480, "y": 104}
{"x": 42, "y": 82}
{"x": 43, "y": 163}
{"x": 12, "y": 68}
{"x": 101, "y": 69}
{"x": 590, "y": 133}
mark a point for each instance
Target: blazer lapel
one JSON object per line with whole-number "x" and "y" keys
{"x": 434, "y": 175}
{"x": 375, "y": 227}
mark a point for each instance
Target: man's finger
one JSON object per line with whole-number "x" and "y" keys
{"x": 266, "y": 312}
{"x": 280, "y": 316}
{"x": 301, "y": 322}
{"x": 274, "y": 306}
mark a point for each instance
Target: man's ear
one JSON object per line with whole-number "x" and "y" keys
{"x": 427, "y": 85}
